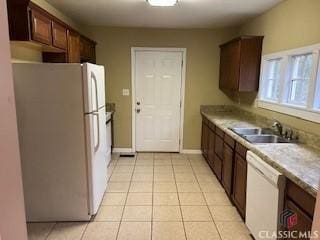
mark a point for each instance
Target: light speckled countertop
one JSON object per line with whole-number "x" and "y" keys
{"x": 298, "y": 162}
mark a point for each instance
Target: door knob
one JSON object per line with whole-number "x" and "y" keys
{"x": 138, "y": 110}
{"x": 138, "y": 103}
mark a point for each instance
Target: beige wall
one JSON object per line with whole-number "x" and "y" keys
{"x": 291, "y": 24}
{"x": 114, "y": 52}
{"x": 12, "y": 215}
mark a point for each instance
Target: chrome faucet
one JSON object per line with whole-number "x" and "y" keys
{"x": 276, "y": 124}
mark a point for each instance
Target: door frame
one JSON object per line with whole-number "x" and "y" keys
{"x": 134, "y": 50}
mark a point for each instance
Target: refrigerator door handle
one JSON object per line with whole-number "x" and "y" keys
{"x": 96, "y": 147}
{"x": 93, "y": 77}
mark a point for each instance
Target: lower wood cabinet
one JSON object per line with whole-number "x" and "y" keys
{"x": 227, "y": 173}
{"x": 304, "y": 223}
{"x": 240, "y": 184}
{"x": 211, "y": 155}
{"x": 205, "y": 140}
{"x": 217, "y": 168}
{"x": 227, "y": 159}
{"x": 302, "y": 204}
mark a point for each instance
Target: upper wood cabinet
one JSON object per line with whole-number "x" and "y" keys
{"x": 58, "y": 41}
{"x": 240, "y": 61}
{"x": 41, "y": 27}
{"x": 73, "y": 47}
{"x": 87, "y": 50}
{"x": 59, "y": 38}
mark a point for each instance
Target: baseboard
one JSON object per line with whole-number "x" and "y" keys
{"x": 122, "y": 150}
{"x": 191, "y": 151}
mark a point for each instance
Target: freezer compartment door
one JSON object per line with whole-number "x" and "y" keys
{"x": 97, "y": 157}
{"x": 94, "y": 87}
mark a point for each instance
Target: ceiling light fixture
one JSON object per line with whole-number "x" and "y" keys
{"x": 162, "y": 3}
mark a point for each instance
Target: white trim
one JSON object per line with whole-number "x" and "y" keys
{"x": 133, "y": 89}
{"x": 123, "y": 150}
{"x": 296, "y": 111}
{"x": 191, "y": 151}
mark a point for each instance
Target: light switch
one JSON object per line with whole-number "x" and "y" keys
{"x": 125, "y": 92}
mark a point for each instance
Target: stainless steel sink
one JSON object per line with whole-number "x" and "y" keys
{"x": 252, "y": 131}
{"x": 265, "y": 139}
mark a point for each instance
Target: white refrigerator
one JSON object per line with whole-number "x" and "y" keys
{"x": 63, "y": 143}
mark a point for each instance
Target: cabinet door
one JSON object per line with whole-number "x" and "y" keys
{"x": 240, "y": 184}
{"x": 227, "y": 172}
{"x": 87, "y": 50}
{"x": 73, "y": 47}
{"x": 59, "y": 36}
{"x": 304, "y": 223}
{"x": 211, "y": 148}
{"x": 41, "y": 27}
{"x": 218, "y": 148}
{"x": 205, "y": 140}
{"x": 229, "y": 65}
{"x": 217, "y": 167}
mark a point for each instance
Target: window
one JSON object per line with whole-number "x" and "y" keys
{"x": 290, "y": 82}
{"x": 272, "y": 80}
{"x": 301, "y": 66}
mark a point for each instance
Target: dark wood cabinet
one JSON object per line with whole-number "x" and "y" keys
{"x": 227, "y": 173}
{"x": 240, "y": 64}
{"x": 302, "y": 204}
{"x": 59, "y": 36}
{"x": 211, "y": 155}
{"x": 218, "y": 150}
{"x": 32, "y": 25}
{"x": 218, "y": 147}
{"x": 41, "y": 30}
{"x": 304, "y": 223}
{"x": 240, "y": 184}
{"x": 73, "y": 47}
{"x": 205, "y": 139}
{"x": 227, "y": 159}
{"x": 87, "y": 50}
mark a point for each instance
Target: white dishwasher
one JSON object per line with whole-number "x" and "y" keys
{"x": 265, "y": 191}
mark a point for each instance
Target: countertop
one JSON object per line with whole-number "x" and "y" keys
{"x": 298, "y": 162}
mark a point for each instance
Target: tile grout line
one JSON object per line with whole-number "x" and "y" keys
{"x": 125, "y": 202}
{"x": 184, "y": 228}
{"x": 214, "y": 222}
{"x": 50, "y": 231}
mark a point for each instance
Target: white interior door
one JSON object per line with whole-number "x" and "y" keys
{"x": 158, "y": 80}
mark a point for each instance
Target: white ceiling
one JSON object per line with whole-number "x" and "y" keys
{"x": 186, "y": 14}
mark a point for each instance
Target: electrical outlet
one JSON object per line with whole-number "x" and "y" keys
{"x": 125, "y": 92}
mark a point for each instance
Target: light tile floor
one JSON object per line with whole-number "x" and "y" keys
{"x": 159, "y": 196}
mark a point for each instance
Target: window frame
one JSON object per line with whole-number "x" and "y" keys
{"x": 310, "y": 111}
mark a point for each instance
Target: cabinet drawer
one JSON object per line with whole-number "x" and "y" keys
{"x": 241, "y": 150}
{"x": 219, "y": 132}
{"x": 301, "y": 198}
{"x": 229, "y": 140}
{"x": 212, "y": 126}
{"x": 205, "y": 120}
{"x": 41, "y": 27}
{"x": 218, "y": 146}
{"x": 59, "y": 36}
